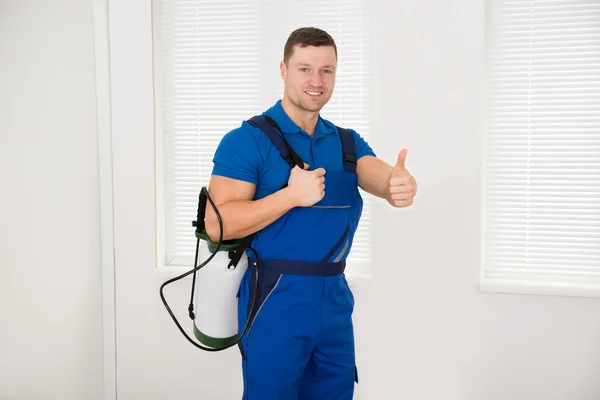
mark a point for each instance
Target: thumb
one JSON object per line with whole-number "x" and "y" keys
{"x": 399, "y": 167}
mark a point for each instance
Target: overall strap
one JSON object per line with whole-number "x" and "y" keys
{"x": 348, "y": 149}
{"x": 272, "y": 130}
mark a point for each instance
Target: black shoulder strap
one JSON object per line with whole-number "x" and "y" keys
{"x": 348, "y": 149}
{"x": 272, "y": 130}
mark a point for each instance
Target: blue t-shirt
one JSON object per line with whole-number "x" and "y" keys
{"x": 246, "y": 153}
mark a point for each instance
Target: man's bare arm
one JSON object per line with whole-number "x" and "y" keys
{"x": 374, "y": 176}
{"x": 394, "y": 184}
{"x": 241, "y": 215}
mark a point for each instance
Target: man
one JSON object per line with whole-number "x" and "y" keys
{"x": 300, "y": 342}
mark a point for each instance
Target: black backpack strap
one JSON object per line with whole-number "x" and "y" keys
{"x": 348, "y": 149}
{"x": 272, "y": 130}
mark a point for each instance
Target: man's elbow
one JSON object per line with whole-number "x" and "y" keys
{"x": 213, "y": 229}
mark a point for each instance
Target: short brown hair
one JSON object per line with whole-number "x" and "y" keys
{"x": 307, "y": 37}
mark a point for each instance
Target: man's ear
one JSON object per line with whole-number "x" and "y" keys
{"x": 282, "y": 70}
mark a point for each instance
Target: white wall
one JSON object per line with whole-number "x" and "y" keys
{"x": 50, "y": 282}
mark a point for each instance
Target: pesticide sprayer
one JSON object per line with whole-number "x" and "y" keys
{"x": 215, "y": 283}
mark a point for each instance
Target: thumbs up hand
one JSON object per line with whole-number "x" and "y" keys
{"x": 402, "y": 185}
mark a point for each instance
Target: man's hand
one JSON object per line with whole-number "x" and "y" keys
{"x": 306, "y": 188}
{"x": 402, "y": 185}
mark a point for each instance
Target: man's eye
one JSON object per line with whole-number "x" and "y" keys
{"x": 304, "y": 69}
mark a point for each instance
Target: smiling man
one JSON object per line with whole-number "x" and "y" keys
{"x": 288, "y": 179}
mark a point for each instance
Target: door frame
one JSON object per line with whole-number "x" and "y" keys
{"x": 105, "y": 166}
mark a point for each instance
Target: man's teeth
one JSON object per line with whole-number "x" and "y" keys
{"x": 315, "y": 93}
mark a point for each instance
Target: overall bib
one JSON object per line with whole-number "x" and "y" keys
{"x": 300, "y": 342}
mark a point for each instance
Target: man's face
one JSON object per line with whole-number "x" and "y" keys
{"x": 309, "y": 76}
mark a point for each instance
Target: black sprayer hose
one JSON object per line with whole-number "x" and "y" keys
{"x": 198, "y": 267}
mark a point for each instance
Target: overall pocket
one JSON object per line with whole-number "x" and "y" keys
{"x": 339, "y": 189}
{"x": 327, "y": 226}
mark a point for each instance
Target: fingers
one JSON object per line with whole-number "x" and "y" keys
{"x": 400, "y": 180}
{"x": 402, "y": 196}
{"x": 319, "y": 172}
{"x": 402, "y": 189}
{"x": 403, "y": 203}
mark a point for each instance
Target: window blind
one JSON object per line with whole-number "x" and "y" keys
{"x": 217, "y": 63}
{"x": 542, "y": 148}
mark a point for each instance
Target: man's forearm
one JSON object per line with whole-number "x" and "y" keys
{"x": 373, "y": 176}
{"x": 245, "y": 217}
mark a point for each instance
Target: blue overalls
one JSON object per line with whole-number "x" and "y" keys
{"x": 300, "y": 344}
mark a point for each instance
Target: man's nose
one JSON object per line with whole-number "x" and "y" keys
{"x": 316, "y": 80}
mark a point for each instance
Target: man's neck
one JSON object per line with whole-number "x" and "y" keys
{"x": 306, "y": 120}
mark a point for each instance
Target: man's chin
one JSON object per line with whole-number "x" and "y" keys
{"x": 313, "y": 107}
{"x": 310, "y": 106}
